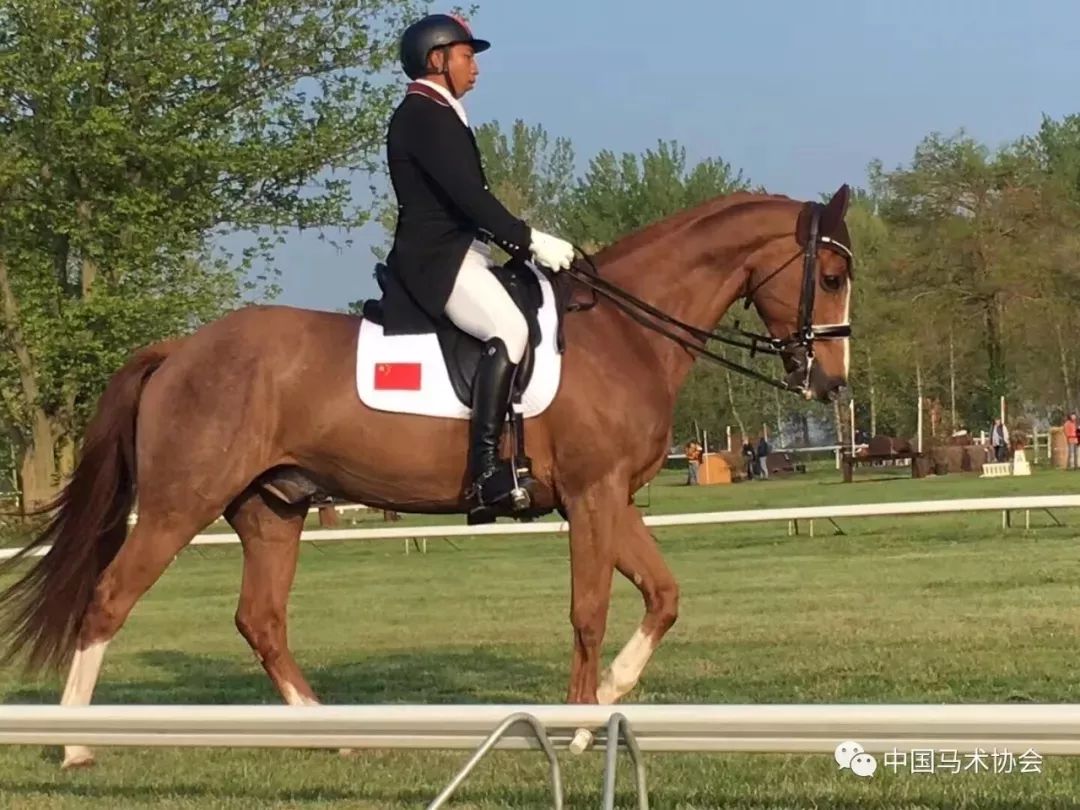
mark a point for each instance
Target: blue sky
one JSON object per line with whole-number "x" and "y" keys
{"x": 800, "y": 96}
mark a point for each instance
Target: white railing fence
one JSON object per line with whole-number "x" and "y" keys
{"x": 1026, "y": 732}
{"x": 1004, "y": 505}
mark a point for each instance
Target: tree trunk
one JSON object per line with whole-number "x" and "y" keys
{"x": 1064, "y": 369}
{"x": 995, "y": 356}
{"x": 805, "y": 424}
{"x": 779, "y": 420}
{"x": 66, "y": 449}
{"x": 873, "y": 394}
{"x": 952, "y": 380}
{"x": 65, "y": 457}
{"x": 38, "y": 466}
{"x": 731, "y": 402}
{"x": 38, "y": 472}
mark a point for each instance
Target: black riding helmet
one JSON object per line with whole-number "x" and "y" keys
{"x": 434, "y": 31}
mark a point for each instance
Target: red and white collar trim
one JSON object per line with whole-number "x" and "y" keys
{"x": 438, "y": 94}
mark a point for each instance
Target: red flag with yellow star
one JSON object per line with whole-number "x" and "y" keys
{"x": 397, "y": 376}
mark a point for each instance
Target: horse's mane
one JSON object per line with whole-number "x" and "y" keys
{"x": 714, "y": 206}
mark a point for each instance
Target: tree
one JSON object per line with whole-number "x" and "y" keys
{"x": 527, "y": 171}
{"x": 620, "y": 194}
{"x": 133, "y": 133}
{"x": 1057, "y": 147}
{"x": 972, "y": 226}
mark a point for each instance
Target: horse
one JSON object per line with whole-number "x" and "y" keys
{"x": 198, "y": 426}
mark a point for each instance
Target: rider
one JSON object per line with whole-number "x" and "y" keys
{"x": 446, "y": 217}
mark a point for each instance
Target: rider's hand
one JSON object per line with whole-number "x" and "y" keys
{"x": 558, "y": 254}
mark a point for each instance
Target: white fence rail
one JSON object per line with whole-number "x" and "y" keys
{"x": 777, "y": 728}
{"x": 1005, "y": 505}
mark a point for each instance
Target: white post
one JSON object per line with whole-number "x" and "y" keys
{"x": 729, "y": 438}
{"x": 851, "y": 412}
{"x": 705, "y": 443}
{"x": 920, "y": 425}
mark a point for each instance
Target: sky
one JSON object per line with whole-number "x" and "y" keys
{"x": 799, "y": 96}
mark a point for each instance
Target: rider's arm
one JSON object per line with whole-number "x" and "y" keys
{"x": 442, "y": 148}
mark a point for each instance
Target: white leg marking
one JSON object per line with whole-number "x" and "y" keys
{"x": 617, "y": 680}
{"x": 626, "y": 669}
{"x": 294, "y": 698}
{"x": 582, "y": 740}
{"x": 82, "y": 677}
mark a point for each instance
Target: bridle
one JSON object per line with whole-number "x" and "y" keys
{"x": 806, "y": 335}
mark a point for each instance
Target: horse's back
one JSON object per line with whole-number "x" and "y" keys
{"x": 265, "y": 342}
{"x": 258, "y": 328}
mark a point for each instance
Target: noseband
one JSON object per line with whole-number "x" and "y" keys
{"x": 806, "y": 334}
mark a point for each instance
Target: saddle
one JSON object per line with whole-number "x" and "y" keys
{"x": 399, "y": 314}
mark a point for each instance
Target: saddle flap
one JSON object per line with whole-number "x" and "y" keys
{"x": 399, "y": 314}
{"x": 462, "y": 351}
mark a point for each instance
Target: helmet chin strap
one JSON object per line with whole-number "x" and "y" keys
{"x": 445, "y": 49}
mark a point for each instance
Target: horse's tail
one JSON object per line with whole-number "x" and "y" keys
{"x": 43, "y": 609}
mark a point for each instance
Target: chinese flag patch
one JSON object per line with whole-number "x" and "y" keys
{"x": 397, "y": 376}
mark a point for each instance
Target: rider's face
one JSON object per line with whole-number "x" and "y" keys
{"x": 462, "y": 67}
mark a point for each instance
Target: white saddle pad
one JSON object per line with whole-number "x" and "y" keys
{"x": 407, "y": 373}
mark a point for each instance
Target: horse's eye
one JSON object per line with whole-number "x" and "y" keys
{"x": 832, "y": 283}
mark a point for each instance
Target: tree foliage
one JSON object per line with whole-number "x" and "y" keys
{"x": 132, "y": 134}
{"x": 621, "y": 193}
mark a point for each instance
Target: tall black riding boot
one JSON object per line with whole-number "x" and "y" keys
{"x": 491, "y": 402}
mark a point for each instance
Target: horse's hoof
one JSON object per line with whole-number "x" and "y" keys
{"x": 77, "y": 757}
{"x": 582, "y": 740}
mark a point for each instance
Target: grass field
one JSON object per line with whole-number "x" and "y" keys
{"x": 949, "y": 609}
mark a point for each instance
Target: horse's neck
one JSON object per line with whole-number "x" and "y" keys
{"x": 692, "y": 279}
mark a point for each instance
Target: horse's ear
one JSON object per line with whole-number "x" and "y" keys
{"x": 832, "y": 215}
{"x": 835, "y": 210}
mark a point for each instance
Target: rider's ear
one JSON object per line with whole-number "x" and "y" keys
{"x": 436, "y": 60}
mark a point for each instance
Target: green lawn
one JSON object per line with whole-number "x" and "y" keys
{"x": 910, "y": 609}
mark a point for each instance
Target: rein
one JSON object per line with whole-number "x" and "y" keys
{"x": 804, "y": 338}
{"x": 638, "y": 310}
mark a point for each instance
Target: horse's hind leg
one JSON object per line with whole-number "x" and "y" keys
{"x": 639, "y": 561}
{"x": 270, "y": 532}
{"x": 142, "y": 559}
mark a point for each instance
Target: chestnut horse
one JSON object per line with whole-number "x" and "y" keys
{"x": 198, "y": 427}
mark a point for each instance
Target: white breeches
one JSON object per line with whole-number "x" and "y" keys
{"x": 481, "y": 306}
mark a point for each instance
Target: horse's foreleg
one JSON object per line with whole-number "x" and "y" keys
{"x": 593, "y": 518}
{"x": 639, "y": 560}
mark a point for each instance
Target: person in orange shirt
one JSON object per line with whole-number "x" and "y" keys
{"x": 693, "y": 462}
{"x": 1073, "y": 441}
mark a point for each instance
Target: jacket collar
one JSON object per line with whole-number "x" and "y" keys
{"x": 438, "y": 94}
